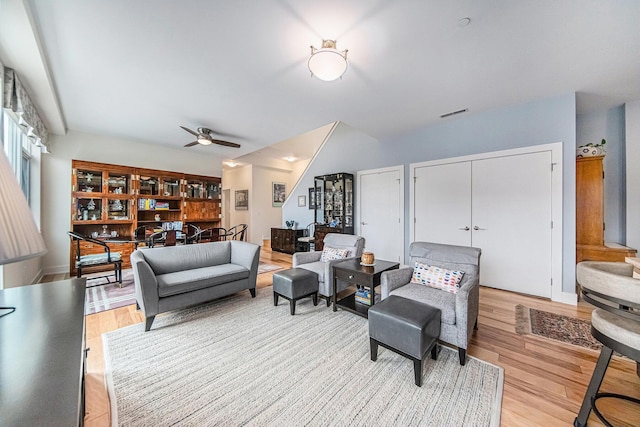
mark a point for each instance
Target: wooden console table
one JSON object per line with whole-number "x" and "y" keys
{"x": 42, "y": 355}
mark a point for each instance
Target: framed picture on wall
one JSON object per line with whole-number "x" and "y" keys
{"x": 242, "y": 200}
{"x": 312, "y": 198}
{"x": 279, "y": 193}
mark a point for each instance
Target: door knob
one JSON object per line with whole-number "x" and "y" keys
{"x": 475, "y": 227}
{"x": 363, "y": 223}
{"x": 465, "y": 229}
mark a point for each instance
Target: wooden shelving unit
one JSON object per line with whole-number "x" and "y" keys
{"x": 113, "y": 200}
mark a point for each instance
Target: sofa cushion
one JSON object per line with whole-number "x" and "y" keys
{"x": 445, "y": 301}
{"x": 329, "y": 253}
{"x": 191, "y": 280}
{"x": 187, "y": 257}
{"x": 317, "y": 267}
{"x": 437, "y": 277}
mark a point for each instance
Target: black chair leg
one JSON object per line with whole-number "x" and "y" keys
{"x": 434, "y": 352}
{"x": 594, "y": 386}
{"x": 328, "y": 301}
{"x": 275, "y": 299}
{"x": 315, "y": 299}
{"x": 253, "y": 292}
{"x": 417, "y": 371}
{"x": 373, "y": 344}
{"x": 462, "y": 353}
{"x": 292, "y": 306}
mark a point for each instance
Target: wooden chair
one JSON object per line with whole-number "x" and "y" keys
{"x": 213, "y": 234}
{"x": 237, "y": 232}
{"x": 166, "y": 238}
{"x": 94, "y": 260}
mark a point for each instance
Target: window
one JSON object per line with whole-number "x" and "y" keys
{"x": 17, "y": 147}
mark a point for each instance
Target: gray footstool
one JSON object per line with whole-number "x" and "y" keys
{"x": 407, "y": 327}
{"x": 295, "y": 284}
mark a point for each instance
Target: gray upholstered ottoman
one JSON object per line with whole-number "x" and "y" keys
{"x": 407, "y": 327}
{"x": 295, "y": 284}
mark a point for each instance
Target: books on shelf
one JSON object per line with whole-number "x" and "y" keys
{"x": 146, "y": 204}
{"x": 363, "y": 296}
{"x": 162, "y": 206}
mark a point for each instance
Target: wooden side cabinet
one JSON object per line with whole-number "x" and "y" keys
{"x": 590, "y": 244}
{"x": 285, "y": 239}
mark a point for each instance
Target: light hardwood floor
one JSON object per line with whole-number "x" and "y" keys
{"x": 544, "y": 380}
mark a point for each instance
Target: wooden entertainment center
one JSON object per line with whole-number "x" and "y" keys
{"x": 111, "y": 201}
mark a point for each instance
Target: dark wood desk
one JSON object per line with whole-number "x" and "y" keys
{"x": 353, "y": 272}
{"x": 42, "y": 354}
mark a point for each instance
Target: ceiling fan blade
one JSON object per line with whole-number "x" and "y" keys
{"x": 225, "y": 143}
{"x": 190, "y": 131}
{"x": 191, "y": 144}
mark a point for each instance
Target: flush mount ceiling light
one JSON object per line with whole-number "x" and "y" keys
{"x": 327, "y": 63}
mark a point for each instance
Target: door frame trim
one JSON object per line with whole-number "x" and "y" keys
{"x": 556, "y": 205}
{"x": 401, "y": 207}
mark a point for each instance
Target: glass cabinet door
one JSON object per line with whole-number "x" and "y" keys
{"x": 118, "y": 209}
{"x": 149, "y": 185}
{"x": 118, "y": 183}
{"x": 88, "y": 181}
{"x": 212, "y": 190}
{"x": 88, "y": 209}
{"x": 195, "y": 189}
{"x": 171, "y": 187}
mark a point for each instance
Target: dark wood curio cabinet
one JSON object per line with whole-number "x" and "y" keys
{"x": 335, "y": 211}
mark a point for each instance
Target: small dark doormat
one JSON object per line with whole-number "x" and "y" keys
{"x": 555, "y": 326}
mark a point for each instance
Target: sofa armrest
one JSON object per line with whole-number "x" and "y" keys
{"x": 247, "y": 255}
{"x": 146, "y": 285}
{"x": 467, "y": 305}
{"x": 305, "y": 258}
{"x": 393, "y": 279}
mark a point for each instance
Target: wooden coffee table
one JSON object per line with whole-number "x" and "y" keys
{"x": 353, "y": 272}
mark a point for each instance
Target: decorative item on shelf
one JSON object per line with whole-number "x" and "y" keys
{"x": 91, "y": 205}
{"x": 334, "y": 222}
{"x": 367, "y": 258}
{"x": 117, "y": 205}
{"x": 591, "y": 150}
{"x": 89, "y": 177}
{"x": 85, "y": 215}
{"x": 94, "y": 234}
{"x": 117, "y": 190}
{"x": 290, "y": 224}
{"x": 156, "y": 217}
{"x": 88, "y": 189}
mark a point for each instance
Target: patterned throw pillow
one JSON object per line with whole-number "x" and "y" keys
{"x": 436, "y": 277}
{"x": 329, "y": 253}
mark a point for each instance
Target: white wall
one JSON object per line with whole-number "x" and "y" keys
{"x": 233, "y": 180}
{"x": 632, "y": 126}
{"x": 56, "y": 179}
{"x": 533, "y": 123}
{"x": 264, "y": 215}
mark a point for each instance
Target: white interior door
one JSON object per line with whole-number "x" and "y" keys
{"x": 381, "y": 210}
{"x": 512, "y": 222}
{"x": 442, "y": 204}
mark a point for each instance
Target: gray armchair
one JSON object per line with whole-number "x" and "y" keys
{"x": 311, "y": 261}
{"x": 460, "y": 310}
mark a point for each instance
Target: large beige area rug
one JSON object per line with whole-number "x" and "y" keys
{"x": 242, "y": 361}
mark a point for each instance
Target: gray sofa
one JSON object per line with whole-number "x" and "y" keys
{"x": 459, "y": 311}
{"x": 173, "y": 277}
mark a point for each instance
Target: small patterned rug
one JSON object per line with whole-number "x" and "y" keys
{"x": 103, "y": 296}
{"x": 555, "y": 326}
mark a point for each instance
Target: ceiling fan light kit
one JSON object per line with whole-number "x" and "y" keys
{"x": 327, "y": 63}
{"x": 203, "y": 137}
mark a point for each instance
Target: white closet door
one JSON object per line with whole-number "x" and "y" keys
{"x": 380, "y": 208}
{"x": 442, "y": 204}
{"x": 512, "y": 212}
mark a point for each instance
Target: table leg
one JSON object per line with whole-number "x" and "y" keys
{"x": 335, "y": 291}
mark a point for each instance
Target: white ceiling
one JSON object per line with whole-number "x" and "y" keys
{"x": 139, "y": 69}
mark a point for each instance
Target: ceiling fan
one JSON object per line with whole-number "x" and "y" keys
{"x": 204, "y": 138}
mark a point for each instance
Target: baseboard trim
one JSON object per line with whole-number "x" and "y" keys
{"x": 568, "y": 298}
{"x": 58, "y": 269}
